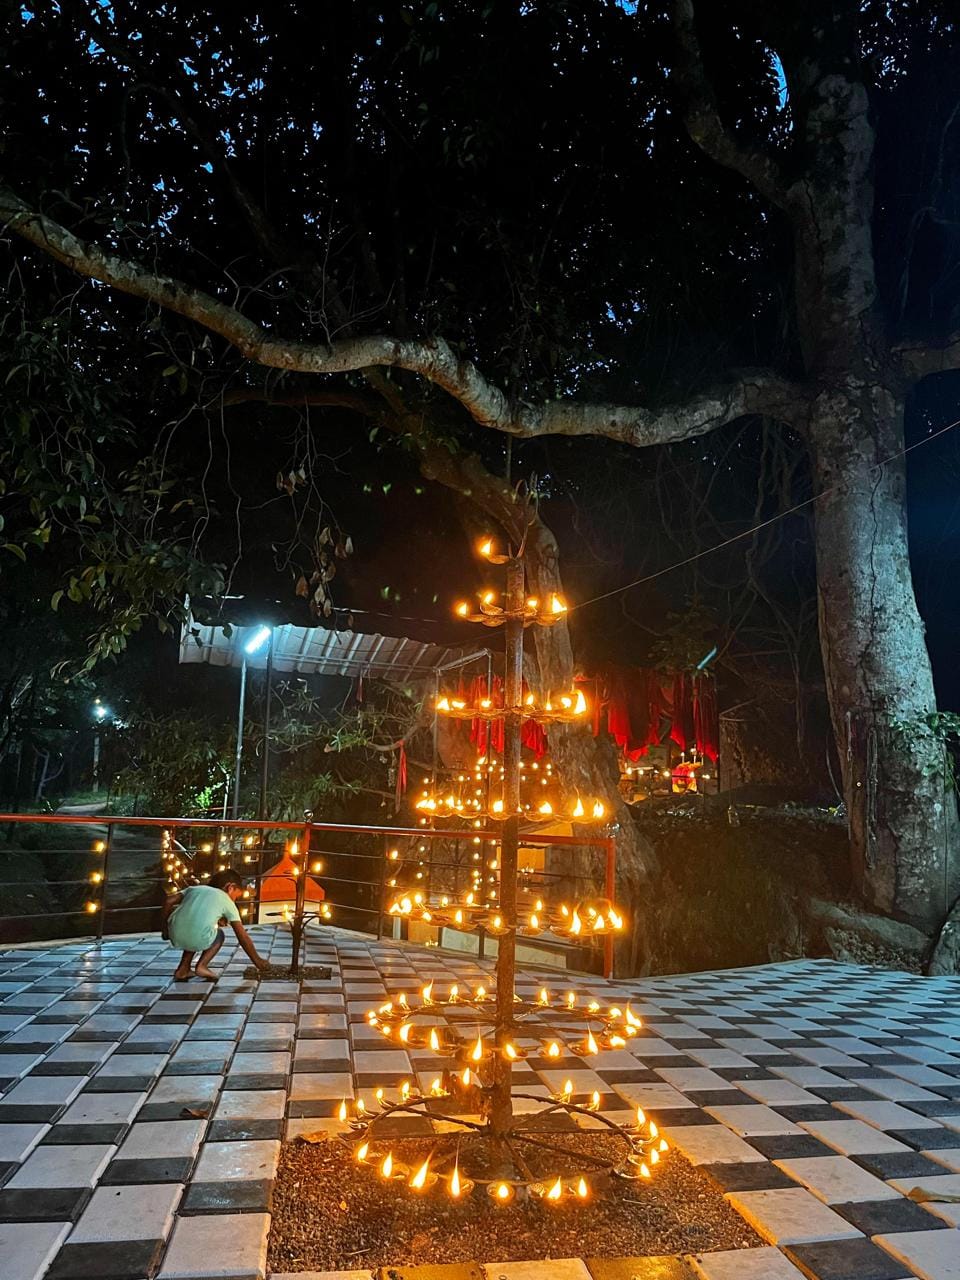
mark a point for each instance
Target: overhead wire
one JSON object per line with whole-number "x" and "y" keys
{"x": 763, "y": 524}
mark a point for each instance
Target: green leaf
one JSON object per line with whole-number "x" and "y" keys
{"x": 55, "y": 600}
{"x": 15, "y": 550}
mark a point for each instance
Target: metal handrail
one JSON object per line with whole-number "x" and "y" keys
{"x": 215, "y": 827}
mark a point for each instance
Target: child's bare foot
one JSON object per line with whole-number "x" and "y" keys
{"x": 181, "y": 975}
{"x": 203, "y": 972}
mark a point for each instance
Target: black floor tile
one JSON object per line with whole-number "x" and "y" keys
{"x": 158, "y": 1169}
{"x": 881, "y": 1217}
{"x": 899, "y": 1164}
{"x": 196, "y": 1066}
{"x": 119, "y": 1084}
{"x": 846, "y": 1260}
{"x": 115, "y": 1260}
{"x": 843, "y": 1093}
{"x": 21, "y": 1113}
{"x": 62, "y": 1068}
{"x": 148, "y": 1046}
{"x": 789, "y": 1146}
{"x": 812, "y": 1112}
{"x": 621, "y": 1076}
{"x": 715, "y": 1097}
{"x": 7, "y": 1169}
{"x": 751, "y": 1175}
{"x": 927, "y": 1139}
{"x": 935, "y": 1107}
{"x": 666, "y": 1117}
{"x": 744, "y": 1073}
{"x": 244, "y": 1130}
{"x": 175, "y": 1110}
{"x": 41, "y": 1204}
{"x": 60, "y": 1135}
{"x": 859, "y": 1073}
{"x": 264, "y": 1081}
{"x": 253, "y": 1196}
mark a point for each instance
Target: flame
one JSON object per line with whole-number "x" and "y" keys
{"x": 403, "y": 1035}
{"x": 654, "y": 1131}
{"x": 509, "y": 1051}
{"x": 404, "y": 1090}
{"x": 582, "y": 1189}
{"x": 663, "y": 1145}
{"x": 575, "y": 924}
{"x": 342, "y": 1113}
{"x": 420, "y": 1177}
{"x": 615, "y": 920}
{"x": 580, "y": 704}
{"x": 387, "y": 1167}
{"x": 361, "y": 1152}
{"x": 641, "y": 1118}
{"x": 454, "y": 994}
{"x": 654, "y": 1156}
{"x": 544, "y": 997}
{"x": 598, "y": 810}
{"x": 533, "y": 603}
{"x": 458, "y": 917}
{"x": 555, "y": 1191}
{"x": 595, "y": 1101}
{"x": 462, "y": 609}
{"x": 534, "y": 921}
{"x": 443, "y": 704}
{"x": 437, "y": 1089}
{"x": 556, "y": 605}
{"x": 578, "y": 810}
{"x": 455, "y": 1187}
{"x": 480, "y": 994}
{"x": 571, "y": 999}
{"x": 568, "y": 1088}
{"x": 644, "y": 1171}
{"x": 617, "y": 1042}
{"x": 434, "y": 1040}
{"x": 378, "y": 1094}
{"x": 503, "y": 1191}
{"x": 631, "y": 1019}
{"x": 546, "y": 808}
{"x": 488, "y": 597}
{"x": 477, "y": 1053}
{"x": 497, "y": 806}
{"x": 485, "y": 548}
{"x": 465, "y": 1077}
{"x": 599, "y": 924}
{"x": 402, "y": 1000}
{"x": 361, "y": 1106}
{"x": 592, "y": 1046}
{"x": 553, "y": 1049}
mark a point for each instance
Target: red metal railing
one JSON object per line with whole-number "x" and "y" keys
{"x": 358, "y": 900}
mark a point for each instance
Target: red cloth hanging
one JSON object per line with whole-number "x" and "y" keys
{"x": 534, "y": 737}
{"x": 706, "y": 717}
{"x": 401, "y": 776}
{"x": 682, "y": 732}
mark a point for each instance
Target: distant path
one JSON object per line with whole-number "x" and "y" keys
{"x": 134, "y": 854}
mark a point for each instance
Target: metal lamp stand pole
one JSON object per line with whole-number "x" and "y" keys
{"x": 501, "y": 1106}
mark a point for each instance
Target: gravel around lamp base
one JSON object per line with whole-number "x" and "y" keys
{"x": 330, "y": 1214}
{"x": 281, "y": 973}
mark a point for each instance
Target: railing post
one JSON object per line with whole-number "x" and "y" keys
{"x": 610, "y": 889}
{"x": 105, "y": 885}
{"x": 381, "y": 895}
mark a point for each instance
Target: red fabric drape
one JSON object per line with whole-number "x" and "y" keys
{"x": 682, "y": 732}
{"x": 706, "y": 718}
{"x": 401, "y": 776}
{"x": 532, "y": 735}
{"x": 629, "y": 705}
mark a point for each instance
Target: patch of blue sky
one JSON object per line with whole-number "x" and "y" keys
{"x": 780, "y": 78}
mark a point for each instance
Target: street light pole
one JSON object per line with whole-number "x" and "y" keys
{"x": 99, "y": 711}
{"x": 239, "y": 755}
{"x": 265, "y": 775}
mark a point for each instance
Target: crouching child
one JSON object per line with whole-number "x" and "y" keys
{"x": 192, "y": 921}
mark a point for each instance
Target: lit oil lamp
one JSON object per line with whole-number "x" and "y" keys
{"x": 501, "y": 1192}
{"x": 423, "y": 1180}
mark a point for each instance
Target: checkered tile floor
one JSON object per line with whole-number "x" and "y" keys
{"x": 816, "y": 1094}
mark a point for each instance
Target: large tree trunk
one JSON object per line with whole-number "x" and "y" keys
{"x": 901, "y": 819}
{"x": 590, "y": 765}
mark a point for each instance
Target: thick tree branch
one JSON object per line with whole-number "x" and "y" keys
{"x": 702, "y": 116}
{"x": 751, "y": 392}
{"x": 918, "y": 359}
